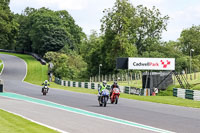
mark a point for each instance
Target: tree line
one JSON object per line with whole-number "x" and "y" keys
{"x": 126, "y": 31}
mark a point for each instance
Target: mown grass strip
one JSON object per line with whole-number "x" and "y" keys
{"x": 10, "y": 123}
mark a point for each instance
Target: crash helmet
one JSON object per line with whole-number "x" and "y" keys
{"x": 104, "y": 83}
{"x": 46, "y": 81}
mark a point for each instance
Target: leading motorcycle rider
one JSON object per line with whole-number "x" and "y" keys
{"x": 102, "y": 87}
{"x": 45, "y": 83}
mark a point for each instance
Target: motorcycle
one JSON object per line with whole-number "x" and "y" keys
{"x": 115, "y": 95}
{"x": 103, "y": 98}
{"x": 45, "y": 90}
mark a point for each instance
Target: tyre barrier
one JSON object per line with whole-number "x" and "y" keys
{"x": 74, "y": 84}
{"x": 86, "y": 85}
{"x": 64, "y": 83}
{"x": 89, "y": 85}
{"x": 69, "y": 83}
{"x": 79, "y": 84}
{"x": 92, "y": 86}
{"x": 187, "y": 94}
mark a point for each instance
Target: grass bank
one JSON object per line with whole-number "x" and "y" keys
{"x": 36, "y": 73}
{"x": 158, "y": 99}
{"x": 11, "y": 123}
{"x": 1, "y": 65}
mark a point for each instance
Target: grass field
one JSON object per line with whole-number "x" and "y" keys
{"x": 34, "y": 65}
{"x": 10, "y": 123}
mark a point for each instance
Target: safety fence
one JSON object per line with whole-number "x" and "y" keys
{"x": 93, "y": 85}
{"x": 37, "y": 57}
{"x": 187, "y": 94}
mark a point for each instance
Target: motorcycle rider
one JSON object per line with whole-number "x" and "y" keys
{"x": 45, "y": 83}
{"x": 114, "y": 85}
{"x": 102, "y": 87}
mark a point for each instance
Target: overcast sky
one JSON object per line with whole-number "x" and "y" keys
{"x": 87, "y": 13}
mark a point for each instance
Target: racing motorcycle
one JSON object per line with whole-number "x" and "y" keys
{"x": 115, "y": 95}
{"x": 45, "y": 90}
{"x": 103, "y": 98}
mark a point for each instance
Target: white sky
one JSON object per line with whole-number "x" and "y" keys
{"x": 87, "y": 13}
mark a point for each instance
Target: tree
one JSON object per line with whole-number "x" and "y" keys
{"x": 129, "y": 30}
{"x": 48, "y": 30}
{"x": 8, "y": 26}
{"x": 190, "y": 39}
{"x": 70, "y": 67}
{"x": 150, "y": 29}
{"x": 90, "y": 50}
{"x": 118, "y": 27}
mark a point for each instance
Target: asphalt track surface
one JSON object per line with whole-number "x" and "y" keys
{"x": 168, "y": 117}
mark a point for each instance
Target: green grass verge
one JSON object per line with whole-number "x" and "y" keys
{"x": 1, "y": 65}
{"x": 36, "y": 73}
{"x": 36, "y": 76}
{"x": 10, "y": 123}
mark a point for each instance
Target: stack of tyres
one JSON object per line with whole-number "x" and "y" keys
{"x": 92, "y": 86}
{"x": 79, "y": 84}
{"x": 69, "y": 83}
{"x": 86, "y": 85}
{"x": 181, "y": 93}
{"x": 189, "y": 94}
{"x": 74, "y": 84}
{"x": 175, "y": 92}
{"x": 196, "y": 96}
{"x": 126, "y": 90}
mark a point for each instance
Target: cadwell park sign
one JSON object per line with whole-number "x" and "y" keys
{"x": 151, "y": 63}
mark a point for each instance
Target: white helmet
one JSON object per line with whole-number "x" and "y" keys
{"x": 104, "y": 82}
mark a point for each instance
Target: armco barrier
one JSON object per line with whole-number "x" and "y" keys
{"x": 37, "y": 57}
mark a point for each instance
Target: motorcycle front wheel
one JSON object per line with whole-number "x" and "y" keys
{"x": 116, "y": 99}
{"x": 105, "y": 101}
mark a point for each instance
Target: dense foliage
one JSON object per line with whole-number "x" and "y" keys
{"x": 8, "y": 26}
{"x": 126, "y": 31}
{"x": 47, "y": 30}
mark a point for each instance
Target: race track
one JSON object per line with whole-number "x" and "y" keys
{"x": 167, "y": 117}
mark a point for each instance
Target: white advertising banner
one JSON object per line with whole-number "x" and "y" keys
{"x": 151, "y": 63}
